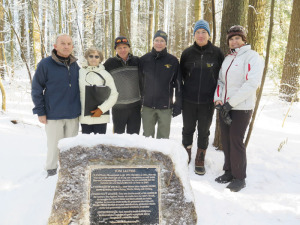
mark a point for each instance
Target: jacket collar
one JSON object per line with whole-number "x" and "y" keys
{"x": 241, "y": 50}
{"x": 206, "y": 47}
{"x": 159, "y": 54}
{"x": 120, "y": 59}
{"x": 91, "y": 68}
{"x": 56, "y": 59}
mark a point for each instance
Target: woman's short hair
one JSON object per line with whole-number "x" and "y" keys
{"x": 93, "y": 49}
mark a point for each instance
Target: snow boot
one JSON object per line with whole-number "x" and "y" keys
{"x": 236, "y": 185}
{"x": 189, "y": 152}
{"x": 199, "y": 161}
{"x": 51, "y": 172}
{"x": 225, "y": 178}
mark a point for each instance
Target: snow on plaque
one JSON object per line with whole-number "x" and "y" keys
{"x": 122, "y": 179}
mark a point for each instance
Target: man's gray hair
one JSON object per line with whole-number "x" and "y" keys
{"x": 60, "y": 35}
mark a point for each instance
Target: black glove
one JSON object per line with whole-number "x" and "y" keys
{"x": 224, "y": 112}
{"x": 176, "y": 111}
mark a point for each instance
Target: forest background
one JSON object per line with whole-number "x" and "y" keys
{"x": 28, "y": 29}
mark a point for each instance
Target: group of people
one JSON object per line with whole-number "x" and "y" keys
{"x": 144, "y": 89}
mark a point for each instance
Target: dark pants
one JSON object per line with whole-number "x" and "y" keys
{"x": 233, "y": 142}
{"x": 191, "y": 114}
{"x": 94, "y": 128}
{"x": 127, "y": 118}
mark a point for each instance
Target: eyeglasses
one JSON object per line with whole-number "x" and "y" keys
{"x": 94, "y": 56}
{"x": 122, "y": 40}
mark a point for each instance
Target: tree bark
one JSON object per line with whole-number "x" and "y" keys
{"x": 59, "y": 17}
{"x": 1, "y": 42}
{"x": 150, "y": 24}
{"x": 197, "y": 10}
{"x": 239, "y": 17}
{"x": 264, "y": 74}
{"x": 289, "y": 85}
{"x": 125, "y": 6}
{"x": 256, "y": 22}
{"x": 3, "y": 95}
{"x": 113, "y": 27}
{"x": 88, "y": 38}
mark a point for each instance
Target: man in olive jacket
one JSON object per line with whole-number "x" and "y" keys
{"x": 160, "y": 76}
{"x": 200, "y": 65}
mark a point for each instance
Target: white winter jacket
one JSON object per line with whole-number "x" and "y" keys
{"x": 94, "y": 79}
{"x": 239, "y": 77}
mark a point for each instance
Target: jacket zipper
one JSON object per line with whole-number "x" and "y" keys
{"x": 200, "y": 78}
{"x": 226, "y": 80}
{"x": 68, "y": 67}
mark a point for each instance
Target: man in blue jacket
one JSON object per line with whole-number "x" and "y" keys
{"x": 55, "y": 94}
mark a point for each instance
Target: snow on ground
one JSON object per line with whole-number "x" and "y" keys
{"x": 271, "y": 197}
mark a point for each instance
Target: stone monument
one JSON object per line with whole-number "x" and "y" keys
{"x": 122, "y": 179}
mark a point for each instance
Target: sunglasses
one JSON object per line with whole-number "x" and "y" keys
{"x": 122, "y": 40}
{"x": 94, "y": 56}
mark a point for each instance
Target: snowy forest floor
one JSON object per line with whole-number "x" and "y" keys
{"x": 272, "y": 194}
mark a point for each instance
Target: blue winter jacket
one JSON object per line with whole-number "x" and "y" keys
{"x": 55, "y": 90}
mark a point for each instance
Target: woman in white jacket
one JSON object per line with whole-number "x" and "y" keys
{"x": 97, "y": 122}
{"x": 239, "y": 77}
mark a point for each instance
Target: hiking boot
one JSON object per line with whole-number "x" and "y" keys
{"x": 236, "y": 185}
{"x": 225, "y": 178}
{"x": 51, "y": 172}
{"x": 199, "y": 161}
{"x": 189, "y": 152}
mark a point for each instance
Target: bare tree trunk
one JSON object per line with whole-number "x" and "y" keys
{"x": 160, "y": 10}
{"x": 256, "y": 22}
{"x": 23, "y": 38}
{"x": 150, "y": 25}
{"x": 264, "y": 74}
{"x": 289, "y": 85}
{"x": 12, "y": 64}
{"x": 59, "y": 17}
{"x": 43, "y": 31}
{"x": 88, "y": 24}
{"x": 156, "y": 15}
{"x": 125, "y": 6}
{"x": 214, "y": 21}
{"x": 197, "y": 10}
{"x": 207, "y": 13}
{"x": 36, "y": 38}
{"x": 113, "y": 24}
{"x": 107, "y": 30}
{"x": 3, "y": 93}
{"x": 1, "y": 43}
{"x": 234, "y": 13}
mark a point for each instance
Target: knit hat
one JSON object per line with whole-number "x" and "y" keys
{"x": 237, "y": 30}
{"x": 121, "y": 40}
{"x": 162, "y": 34}
{"x": 202, "y": 24}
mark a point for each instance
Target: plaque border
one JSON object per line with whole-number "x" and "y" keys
{"x": 93, "y": 167}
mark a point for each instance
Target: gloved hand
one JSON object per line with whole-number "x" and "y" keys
{"x": 176, "y": 111}
{"x": 225, "y": 113}
{"x": 96, "y": 113}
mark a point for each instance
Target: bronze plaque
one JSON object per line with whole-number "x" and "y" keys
{"x": 124, "y": 195}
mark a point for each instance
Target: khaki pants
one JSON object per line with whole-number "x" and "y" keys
{"x": 160, "y": 116}
{"x": 56, "y": 130}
